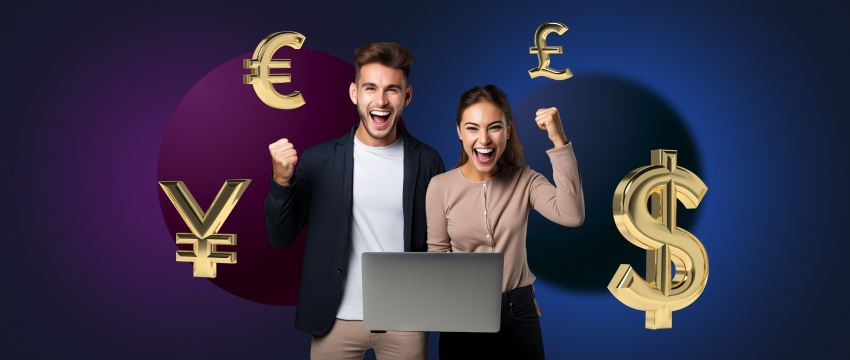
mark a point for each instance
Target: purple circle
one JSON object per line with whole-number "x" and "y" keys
{"x": 221, "y": 130}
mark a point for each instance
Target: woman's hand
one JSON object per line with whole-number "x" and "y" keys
{"x": 550, "y": 120}
{"x": 536, "y": 308}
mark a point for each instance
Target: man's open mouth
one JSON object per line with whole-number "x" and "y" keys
{"x": 484, "y": 155}
{"x": 380, "y": 117}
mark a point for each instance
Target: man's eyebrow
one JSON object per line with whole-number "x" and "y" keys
{"x": 390, "y": 86}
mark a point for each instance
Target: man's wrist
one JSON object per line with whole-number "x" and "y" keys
{"x": 280, "y": 181}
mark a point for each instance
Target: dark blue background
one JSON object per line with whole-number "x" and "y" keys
{"x": 757, "y": 91}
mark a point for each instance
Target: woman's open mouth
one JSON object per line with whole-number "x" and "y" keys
{"x": 484, "y": 155}
{"x": 380, "y": 118}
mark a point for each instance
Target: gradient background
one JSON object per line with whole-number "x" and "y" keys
{"x": 756, "y": 93}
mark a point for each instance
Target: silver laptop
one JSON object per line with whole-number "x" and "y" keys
{"x": 447, "y": 292}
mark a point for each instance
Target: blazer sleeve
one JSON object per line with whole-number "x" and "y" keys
{"x": 435, "y": 211}
{"x": 287, "y": 208}
{"x": 564, "y": 202}
{"x": 438, "y": 167}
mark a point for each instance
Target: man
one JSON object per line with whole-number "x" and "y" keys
{"x": 362, "y": 192}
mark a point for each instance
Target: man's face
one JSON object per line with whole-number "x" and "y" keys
{"x": 380, "y": 95}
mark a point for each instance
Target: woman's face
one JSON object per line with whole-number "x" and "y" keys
{"x": 484, "y": 132}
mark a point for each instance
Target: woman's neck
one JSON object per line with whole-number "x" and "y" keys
{"x": 470, "y": 172}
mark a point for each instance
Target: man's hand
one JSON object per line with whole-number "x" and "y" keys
{"x": 550, "y": 120}
{"x": 284, "y": 159}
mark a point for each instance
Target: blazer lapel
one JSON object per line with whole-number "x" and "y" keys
{"x": 411, "y": 171}
{"x": 344, "y": 153}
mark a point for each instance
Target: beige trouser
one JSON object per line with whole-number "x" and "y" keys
{"x": 349, "y": 340}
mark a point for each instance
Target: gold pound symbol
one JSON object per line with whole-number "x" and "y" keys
{"x": 661, "y": 183}
{"x": 543, "y": 52}
{"x": 261, "y": 64}
{"x": 204, "y": 227}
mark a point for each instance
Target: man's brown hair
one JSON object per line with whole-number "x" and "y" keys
{"x": 391, "y": 55}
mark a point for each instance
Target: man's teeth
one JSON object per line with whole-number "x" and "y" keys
{"x": 380, "y": 113}
{"x": 484, "y": 151}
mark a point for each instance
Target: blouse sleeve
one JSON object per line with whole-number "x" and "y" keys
{"x": 563, "y": 205}
{"x": 435, "y": 212}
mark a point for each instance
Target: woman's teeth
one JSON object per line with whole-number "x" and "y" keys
{"x": 484, "y": 156}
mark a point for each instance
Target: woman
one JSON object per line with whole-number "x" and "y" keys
{"x": 482, "y": 205}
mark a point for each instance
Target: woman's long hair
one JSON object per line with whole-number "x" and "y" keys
{"x": 513, "y": 154}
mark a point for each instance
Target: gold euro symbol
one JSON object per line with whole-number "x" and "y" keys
{"x": 543, "y": 52}
{"x": 261, "y": 76}
{"x": 204, "y": 227}
{"x": 660, "y": 184}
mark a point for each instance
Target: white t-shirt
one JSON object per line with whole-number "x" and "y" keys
{"x": 378, "y": 215}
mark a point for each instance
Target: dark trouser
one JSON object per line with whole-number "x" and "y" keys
{"x": 519, "y": 335}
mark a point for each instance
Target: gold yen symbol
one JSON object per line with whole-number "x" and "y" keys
{"x": 543, "y": 52}
{"x": 204, "y": 227}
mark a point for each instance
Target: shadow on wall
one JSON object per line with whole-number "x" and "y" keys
{"x": 614, "y": 123}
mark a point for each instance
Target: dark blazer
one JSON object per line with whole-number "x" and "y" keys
{"x": 320, "y": 194}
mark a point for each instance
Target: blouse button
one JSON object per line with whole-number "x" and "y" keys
{"x": 485, "y": 213}
{"x": 488, "y": 236}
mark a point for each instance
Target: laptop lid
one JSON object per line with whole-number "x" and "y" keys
{"x": 446, "y": 292}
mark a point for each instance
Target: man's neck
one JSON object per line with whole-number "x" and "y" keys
{"x": 364, "y": 137}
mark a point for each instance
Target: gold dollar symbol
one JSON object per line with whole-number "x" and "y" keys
{"x": 543, "y": 52}
{"x": 661, "y": 238}
{"x": 261, "y": 76}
